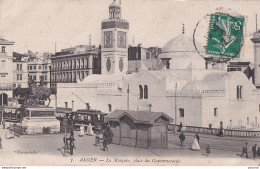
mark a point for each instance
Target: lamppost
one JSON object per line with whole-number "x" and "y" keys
{"x": 2, "y": 105}
{"x": 175, "y": 129}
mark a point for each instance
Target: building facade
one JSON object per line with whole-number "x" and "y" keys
{"x": 114, "y": 46}
{"x": 186, "y": 88}
{"x": 256, "y": 40}
{"x": 20, "y": 73}
{"x": 6, "y": 71}
{"x": 74, "y": 64}
{"x": 140, "y": 58}
{"x": 38, "y": 67}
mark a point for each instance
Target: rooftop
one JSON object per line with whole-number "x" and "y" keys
{"x": 147, "y": 117}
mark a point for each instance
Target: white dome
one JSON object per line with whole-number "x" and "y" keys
{"x": 182, "y": 54}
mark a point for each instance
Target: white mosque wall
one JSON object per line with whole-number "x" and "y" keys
{"x": 198, "y": 105}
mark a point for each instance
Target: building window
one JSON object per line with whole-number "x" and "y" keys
{"x": 215, "y": 111}
{"x": 140, "y": 91}
{"x": 86, "y": 73}
{"x": 87, "y": 63}
{"x": 248, "y": 121}
{"x": 3, "y": 49}
{"x": 34, "y": 67}
{"x": 181, "y": 111}
{"x": 145, "y": 92}
{"x": 240, "y": 92}
{"x": 75, "y": 62}
{"x": 14, "y": 85}
{"x": 66, "y": 104}
{"x": 167, "y": 64}
{"x": 21, "y": 77}
{"x": 19, "y": 85}
{"x": 82, "y": 75}
{"x": 18, "y": 77}
{"x": 18, "y": 67}
{"x": 21, "y": 68}
{"x": 109, "y": 107}
{"x": 39, "y": 67}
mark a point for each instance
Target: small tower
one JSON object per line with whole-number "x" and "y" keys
{"x": 114, "y": 42}
{"x": 256, "y": 41}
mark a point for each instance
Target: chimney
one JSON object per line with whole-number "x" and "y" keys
{"x": 72, "y": 107}
{"x": 87, "y": 106}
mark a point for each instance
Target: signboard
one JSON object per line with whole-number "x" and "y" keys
{"x": 42, "y": 113}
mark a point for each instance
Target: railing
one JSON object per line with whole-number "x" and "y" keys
{"x": 109, "y": 92}
{"x": 215, "y": 131}
{"x": 6, "y": 86}
{"x": 196, "y": 93}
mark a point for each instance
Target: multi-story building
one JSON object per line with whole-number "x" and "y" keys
{"x": 38, "y": 66}
{"x": 74, "y": 64}
{"x": 140, "y": 58}
{"x": 6, "y": 75}
{"x": 20, "y": 73}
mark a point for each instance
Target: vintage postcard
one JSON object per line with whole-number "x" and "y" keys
{"x": 129, "y": 82}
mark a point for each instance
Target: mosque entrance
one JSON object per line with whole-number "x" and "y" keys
{"x": 3, "y": 99}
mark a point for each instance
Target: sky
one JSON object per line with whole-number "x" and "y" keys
{"x": 37, "y": 24}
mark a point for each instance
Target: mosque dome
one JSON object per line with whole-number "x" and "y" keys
{"x": 115, "y": 4}
{"x": 182, "y": 54}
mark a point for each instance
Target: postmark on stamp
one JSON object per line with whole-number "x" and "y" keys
{"x": 225, "y": 35}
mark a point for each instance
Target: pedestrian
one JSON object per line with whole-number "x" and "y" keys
{"x": 72, "y": 134}
{"x": 97, "y": 140}
{"x": 72, "y": 147}
{"x": 1, "y": 143}
{"x": 182, "y": 139}
{"x": 195, "y": 144}
{"x": 207, "y": 150}
{"x": 65, "y": 141}
{"x": 258, "y": 152}
{"x": 110, "y": 137}
{"x": 180, "y": 127}
{"x": 197, "y": 137}
{"x": 81, "y": 130}
{"x": 105, "y": 144}
{"x": 254, "y": 151}
{"x": 244, "y": 150}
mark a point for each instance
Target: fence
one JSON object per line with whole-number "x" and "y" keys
{"x": 215, "y": 131}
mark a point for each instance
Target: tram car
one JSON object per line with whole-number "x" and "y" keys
{"x": 88, "y": 116}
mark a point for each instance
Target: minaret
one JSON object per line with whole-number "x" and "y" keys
{"x": 256, "y": 41}
{"x": 114, "y": 49}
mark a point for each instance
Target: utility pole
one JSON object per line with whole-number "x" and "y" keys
{"x": 128, "y": 96}
{"x": 175, "y": 120}
{"x": 2, "y": 118}
{"x": 55, "y": 47}
{"x": 89, "y": 36}
{"x": 255, "y": 22}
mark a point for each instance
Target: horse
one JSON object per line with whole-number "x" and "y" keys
{"x": 41, "y": 93}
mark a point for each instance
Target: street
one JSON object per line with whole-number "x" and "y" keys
{"x": 48, "y": 150}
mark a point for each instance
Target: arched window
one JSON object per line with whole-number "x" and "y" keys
{"x": 140, "y": 92}
{"x": 168, "y": 64}
{"x": 145, "y": 92}
{"x": 240, "y": 92}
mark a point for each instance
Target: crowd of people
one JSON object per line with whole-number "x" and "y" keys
{"x": 255, "y": 151}
{"x": 196, "y": 146}
{"x": 102, "y": 138}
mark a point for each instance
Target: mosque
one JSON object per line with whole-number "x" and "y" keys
{"x": 188, "y": 89}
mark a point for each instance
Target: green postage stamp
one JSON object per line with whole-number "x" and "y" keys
{"x": 225, "y": 35}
